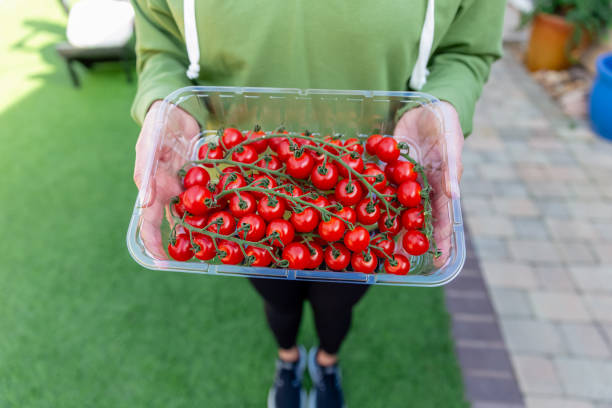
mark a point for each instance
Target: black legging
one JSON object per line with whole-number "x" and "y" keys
{"x": 332, "y": 304}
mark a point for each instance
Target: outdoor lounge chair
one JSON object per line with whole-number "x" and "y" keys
{"x": 98, "y": 31}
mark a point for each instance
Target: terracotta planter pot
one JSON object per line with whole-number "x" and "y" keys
{"x": 550, "y": 44}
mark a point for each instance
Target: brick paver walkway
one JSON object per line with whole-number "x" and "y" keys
{"x": 537, "y": 196}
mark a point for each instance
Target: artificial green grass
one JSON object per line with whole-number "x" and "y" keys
{"x": 82, "y": 325}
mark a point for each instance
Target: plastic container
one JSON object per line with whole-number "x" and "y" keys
{"x": 351, "y": 113}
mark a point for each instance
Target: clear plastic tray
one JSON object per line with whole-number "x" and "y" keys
{"x": 351, "y": 113}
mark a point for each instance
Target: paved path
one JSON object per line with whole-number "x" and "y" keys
{"x": 537, "y": 196}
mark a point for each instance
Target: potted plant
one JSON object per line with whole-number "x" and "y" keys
{"x": 563, "y": 29}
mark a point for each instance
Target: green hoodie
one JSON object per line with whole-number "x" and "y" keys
{"x": 334, "y": 44}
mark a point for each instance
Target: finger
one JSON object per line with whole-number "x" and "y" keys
{"x": 150, "y": 230}
{"x": 442, "y": 228}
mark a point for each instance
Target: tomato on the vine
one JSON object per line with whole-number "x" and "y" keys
{"x": 243, "y": 204}
{"x": 389, "y": 169}
{"x": 389, "y": 191}
{"x": 372, "y": 142}
{"x": 231, "y": 253}
{"x": 197, "y": 221}
{"x": 404, "y": 171}
{"x": 285, "y": 232}
{"x": 347, "y": 213}
{"x": 354, "y": 145}
{"x": 299, "y": 166}
{"x": 179, "y": 207}
{"x": 375, "y": 177}
{"x": 285, "y": 149}
{"x": 255, "y": 227}
{"x": 320, "y": 201}
{"x": 357, "y": 239}
{"x": 197, "y": 200}
{"x": 292, "y": 191}
{"x": 315, "y": 256}
{"x": 206, "y": 247}
{"x": 231, "y": 137}
{"x": 348, "y": 193}
{"x": 262, "y": 181}
{"x": 387, "y": 150}
{"x": 196, "y": 175}
{"x": 259, "y": 144}
{"x": 337, "y": 257}
{"x": 245, "y": 154}
{"x": 387, "y": 245}
{"x": 181, "y": 249}
{"x": 258, "y": 256}
{"x": 413, "y": 218}
{"x": 223, "y": 223}
{"x": 275, "y": 142}
{"x": 354, "y": 163}
{"x": 415, "y": 242}
{"x": 269, "y": 162}
{"x": 364, "y": 262}
{"x": 368, "y": 212}
{"x": 271, "y": 208}
{"x": 389, "y": 222}
{"x": 206, "y": 152}
{"x": 331, "y": 230}
{"x": 324, "y": 177}
{"x": 230, "y": 181}
{"x": 409, "y": 193}
{"x": 400, "y": 265}
{"x": 297, "y": 254}
{"x": 305, "y": 221}
{"x": 334, "y": 142}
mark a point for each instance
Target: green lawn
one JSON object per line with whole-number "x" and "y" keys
{"x": 81, "y": 325}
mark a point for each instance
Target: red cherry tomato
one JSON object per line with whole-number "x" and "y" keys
{"x": 285, "y": 231}
{"x": 275, "y": 142}
{"x": 179, "y": 207}
{"x": 230, "y": 181}
{"x": 358, "y": 239}
{"x": 348, "y": 214}
{"x": 292, "y": 191}
{"x": 389, "y": 191}
{"x": 409, "y": 193}
{"x": 400, "y": 266}
{"x": 404, "y": 171}
{"x": 197, "y": 200}
{"x": 415, "y": 242}
{"x": 269, "y": 162}
{"x": 305, "y": 221}
{"x": 262, "y": 181}
{"x": 181, "y": 248}
{"x": 299, "y": 167}
{"x": 315, "y": 256}
{"x": 284, "y": 150}
{"x": 206, "y": 247}
{"x": 259, "y": 144}
{"x": 354, "y": 145}
{"x": 355, "y": 164}
{"x": 413, "y": 218}
{"x": 332, "y": 230}
{"x": 231, "y": 137}
{"x": 372, "y": 175}
{"x": 372, "y": 142}
{"x": 245, "y": 154}
{"x": 320, "y": 201}
{"x": 389, "y": 169}
{"x": 389, "y": 223}
{"x": 365, "y": 263}
{"x": 297, "y": 254}
{"x": 232, "y": 169}
{"x": 387, "y": 246}
{"x": 259, "y": 256}
{"x": 256, "y": 227}
{"x": 243, "y": 205}
{"x": 368, "y": 212}
{"x": 387, "y": 150}
{"x": 226, "y": 225}
{"x": 205, "y": 152}
{"x": 197, "y": 221}
{"x": 270, "y": 212}
{"x": 348, "y": 193}
{"x": 335, "y": 142}
{"x": 230, "y": 252}
{"x": 371, "y": 165}
{"x": 324, "y": 177}
{"x": 196, "y": 175}
{"x": 337, "y": 257}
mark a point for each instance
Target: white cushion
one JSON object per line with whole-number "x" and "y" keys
{"x": 100, "y": 23}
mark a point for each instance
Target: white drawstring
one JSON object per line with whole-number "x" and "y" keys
{"x": 191, "y": 39}
{"x": 420, "y": 71}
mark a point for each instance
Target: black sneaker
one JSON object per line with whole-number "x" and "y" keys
{"x": 326, "y": 382}
{"x": 287, "y": 391}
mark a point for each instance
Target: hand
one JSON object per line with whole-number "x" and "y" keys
{"x": 421, "y": 127}
{"x": 177, "y": 138}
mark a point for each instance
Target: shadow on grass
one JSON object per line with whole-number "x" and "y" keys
{"x": 83, "y": 325}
